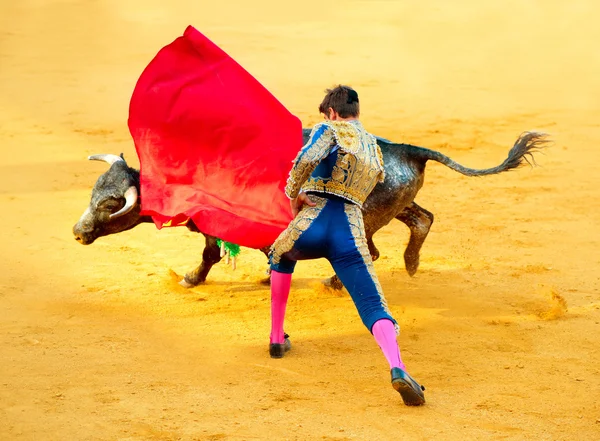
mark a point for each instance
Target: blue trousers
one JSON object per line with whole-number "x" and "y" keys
{"x": 334, "y": 229}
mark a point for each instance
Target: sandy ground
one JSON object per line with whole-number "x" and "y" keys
{"x": 500, "y": 323}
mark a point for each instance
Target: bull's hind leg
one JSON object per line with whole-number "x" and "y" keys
{"x": 333, "y": 282}
{"x": 210, "y": 256}
{"x": 373, "y": 251}
{"x": 419, "y": 221}
{"x": 266, "y": 280}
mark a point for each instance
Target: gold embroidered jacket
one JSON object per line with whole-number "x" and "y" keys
{"x": 340, "y": 158}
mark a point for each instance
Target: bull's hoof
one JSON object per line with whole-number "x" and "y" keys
{"x": 186, "y": 284}
{"x": 266, "y": 280}
{"x": 412, "y": 270}
{"x": 411, "y": 265}
{"x": 333, "y": 283}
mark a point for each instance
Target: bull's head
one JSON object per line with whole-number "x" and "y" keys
{"x": 114, "y": 206}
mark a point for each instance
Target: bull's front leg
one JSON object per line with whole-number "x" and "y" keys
{"x": 210, "y": 256}
{"x": 419, "y": 221}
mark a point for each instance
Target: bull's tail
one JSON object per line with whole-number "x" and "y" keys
{"x": 527, "y": 144}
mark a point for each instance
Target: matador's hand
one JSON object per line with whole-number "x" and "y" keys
{"x": 297, "y": 203}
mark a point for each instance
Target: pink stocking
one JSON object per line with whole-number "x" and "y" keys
{"x": 384, "y": 332}
{"x": 280, "y": 290}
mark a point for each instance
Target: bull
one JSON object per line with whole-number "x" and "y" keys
{"x": 116, "y": 200}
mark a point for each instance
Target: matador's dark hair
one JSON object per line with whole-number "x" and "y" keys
{"x": 342, "y": 99}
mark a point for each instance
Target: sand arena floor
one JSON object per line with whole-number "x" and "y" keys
{"x": 501, "y": 323}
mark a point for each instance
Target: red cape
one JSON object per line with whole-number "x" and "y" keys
{"x": 214, "y": 145}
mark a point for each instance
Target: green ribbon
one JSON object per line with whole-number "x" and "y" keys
{"x": 230, "y": 248}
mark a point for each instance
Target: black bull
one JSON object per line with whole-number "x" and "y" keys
{"x": 115, "y": 201}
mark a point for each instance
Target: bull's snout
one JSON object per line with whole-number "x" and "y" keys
{"x": 82, "y": 235}
{"x": 83, "y": 230}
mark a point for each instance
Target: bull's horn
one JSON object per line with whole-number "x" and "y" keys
{"x": 111, "y": 159}
{"x": 131, "y": 197}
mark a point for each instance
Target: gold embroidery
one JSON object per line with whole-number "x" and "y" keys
{"x": 357, "y": 228}
{"x": 347, "y": 136}
{"x": 286, "y": 240}
{"x": 336, "y": 188}
{"x": 380, "y": 161}
{"x": 359, "y": 164}
{"x": 308, "y": 158}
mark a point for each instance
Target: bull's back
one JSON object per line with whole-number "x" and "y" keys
{"x": 404, "y": 176}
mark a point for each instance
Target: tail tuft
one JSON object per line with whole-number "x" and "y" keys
{"x": 526, "y": 145}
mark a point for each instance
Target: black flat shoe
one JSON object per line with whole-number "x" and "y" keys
{"x": 277, "y": 350}
{"x": 410, "y": 391}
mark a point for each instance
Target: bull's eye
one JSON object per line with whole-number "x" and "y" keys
{"x": 110, "y": 205}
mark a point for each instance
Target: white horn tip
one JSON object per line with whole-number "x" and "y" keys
{"x": 106, "y": 157}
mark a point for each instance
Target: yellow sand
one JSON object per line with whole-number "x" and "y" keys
{"x": 501, "y": 323}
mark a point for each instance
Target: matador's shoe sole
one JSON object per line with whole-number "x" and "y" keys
{"x": 410, "y": 391}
